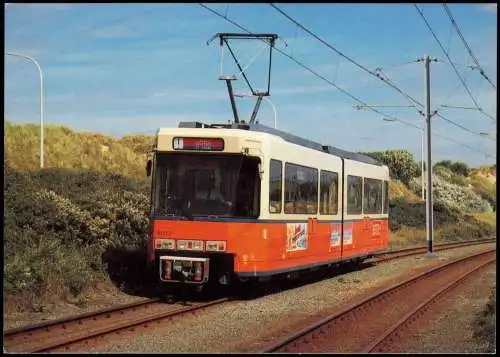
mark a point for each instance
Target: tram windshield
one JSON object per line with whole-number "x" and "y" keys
{"x": 206, "y": 185}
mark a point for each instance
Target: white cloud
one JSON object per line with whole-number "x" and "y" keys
{"x": 490, "y": 7}
{"x": 116, "y": 31}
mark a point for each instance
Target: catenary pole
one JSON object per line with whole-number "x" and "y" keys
{"x": 428, "y": 200}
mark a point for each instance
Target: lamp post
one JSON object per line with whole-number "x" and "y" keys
{"x": 41, "y": 98}
{"x": 269, "y": 102}
{"x": 422, "y": 151}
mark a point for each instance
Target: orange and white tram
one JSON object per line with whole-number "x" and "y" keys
{"x": 246, "y": 202}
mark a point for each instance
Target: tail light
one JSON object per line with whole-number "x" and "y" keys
{"x": 190, "y": 245}
{"x": 198, "y": 271}
{"x": 167, "y": 269}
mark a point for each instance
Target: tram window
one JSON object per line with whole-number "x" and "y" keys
{"x": 354, "y": 194}
{"x": 372, "y": 196}
{"x": 386, "y": 197}
{"x": 301, "y": 189}
{"x": 329, "y": 184}
{"x": 275, "y": 179}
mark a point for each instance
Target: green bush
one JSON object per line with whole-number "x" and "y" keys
{"x": 58, "y": 223}
{"x": 401, "y": 164}
{"x": 403, "y": 213}
{"x": 450, "y": 176}
{"x": 458, "y": 167}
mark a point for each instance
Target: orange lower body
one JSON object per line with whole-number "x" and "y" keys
{"x": 263, "y": 248}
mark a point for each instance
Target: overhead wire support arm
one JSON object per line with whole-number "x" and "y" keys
{"x": 270, "y": 40}
{"x": 238, "y": 64}
{"x": 224, "y": 38}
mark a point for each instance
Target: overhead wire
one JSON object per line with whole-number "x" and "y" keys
{"x": 326, "y": 79}
{"x": 451, "y": 121}
{"x": 449, "y": 59}
{"x": 377, "y": 73}
{"x": 338, "y": 52}
{"x": 455, "y": 25}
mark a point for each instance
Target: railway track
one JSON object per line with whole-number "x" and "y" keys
{"x": 78, "y": 332}
{"x": 396, "y": 254}
{"x": 373, "y": 324}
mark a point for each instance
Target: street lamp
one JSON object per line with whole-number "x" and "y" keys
{"x": 268, "y": 101}
{"x": 422, "y": 151}
{"x": 41, "y": 98}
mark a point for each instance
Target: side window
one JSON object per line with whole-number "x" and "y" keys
{"x": 372, "y": 196}
{"x": 354, "y": 194}
{"x": 386, "y": 197}
{"x": 328, "y": 201}
{"x": 275, "y": 187}
{"x": 301, "y": 189}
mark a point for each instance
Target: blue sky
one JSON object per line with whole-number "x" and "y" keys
{"x": 124, "y": 69}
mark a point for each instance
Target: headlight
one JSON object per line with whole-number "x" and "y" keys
{"x": 164, "y": 243}
{"x": 216, "y": 246}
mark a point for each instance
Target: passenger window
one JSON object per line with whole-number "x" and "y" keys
{"x": 275, "y": 187}
{"x": 354, "y": 194}
{"x": 372, "y": 196}
{"x": 386, "y": 197}
{"x": 329, "y": 184}
{"x": 301, "y": 189}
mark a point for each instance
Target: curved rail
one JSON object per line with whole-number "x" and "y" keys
{"x": 392, "y": 333}
{"x": 370, "y": 322}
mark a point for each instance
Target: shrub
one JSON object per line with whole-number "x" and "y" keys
{"x": 450, "y": 176}
{"x": 455, "y": 196}
{"x": 403, "y": 213}
{"x": 459, "y": 197}
{"x": 57, "y": 224}
{"x": 457, "y": 167}
{"x": 401, "y": 164}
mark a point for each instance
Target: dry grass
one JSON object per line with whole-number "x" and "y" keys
{"x": 487, "y": 217}
{"x": 65, "y": 148}
{"x": 407, "y": 236}
{"x": 399, "y": 189}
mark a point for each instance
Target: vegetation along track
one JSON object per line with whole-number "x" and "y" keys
{"x": 76, "y": 333}
{"x": 373, "y": 324}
